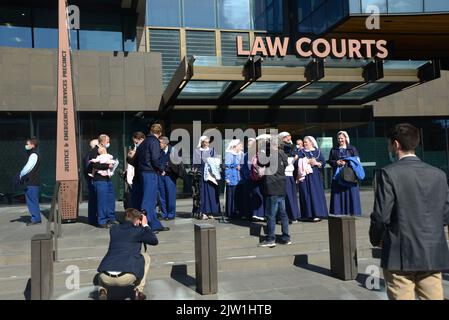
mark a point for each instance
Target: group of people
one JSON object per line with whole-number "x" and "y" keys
{"x": 303, "y": 187}
{"x": 151, "y": 176}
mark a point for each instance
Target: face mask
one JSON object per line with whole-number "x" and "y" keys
{"x": 107, "y": 145}
{"x": 27, "y": 148}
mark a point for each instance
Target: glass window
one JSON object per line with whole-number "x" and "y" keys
{"x": 304, "y": 9}
{"x": 129, "y": 32}
{"x": 204, "y": 90}
{"x": 199, "y": 14}
{"x": 234, "y": 14}
{"x": 101, "y": 32}
{"x": 355, "y": 6}
{"x": 15, "y": 27}
{"x": 335, "y": 12}
{"x": 405, "y": 6}
{"x": 381, "y": 4}
{"x": 436, "y": 5}
{"x": 164, "y": 13}
{"x": 45, "y": 29}
{"x": 313, "y": 91}
{"x": 260, "y": 90}
{"x": 319, "y": 23}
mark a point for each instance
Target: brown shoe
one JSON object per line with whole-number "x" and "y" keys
{"x": 140, "y": 296}
{"x": 102, "y": 294}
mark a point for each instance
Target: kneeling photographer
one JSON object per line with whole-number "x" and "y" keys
{"x": 124, "y": 264}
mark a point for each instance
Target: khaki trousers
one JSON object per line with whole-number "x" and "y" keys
{"x": 128, "y": 279}
{"x": 402, "y": 285}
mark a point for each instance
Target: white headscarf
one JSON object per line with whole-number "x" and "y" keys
{"x": 345, "y": 134}
{"x": 284, "y": 134}
{"x": 232, "y": 144}
{"x": 201, "y": 141}
{"x": 312, "y": 139}
{"x": 264, "y": 136}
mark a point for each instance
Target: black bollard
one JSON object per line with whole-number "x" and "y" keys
{"x": 343, "y": 247}
{"x": 41, "y": 267}
{"x": 206, "y": 259}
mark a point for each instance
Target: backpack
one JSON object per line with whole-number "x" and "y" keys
{"x": 257, "y": 171}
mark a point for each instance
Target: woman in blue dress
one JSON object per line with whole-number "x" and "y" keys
{"x": 254, "y": 198}
{"x": 345, "y": 200}
{"x": 234, "y": 185}
{"x": 311, "y": 189}
{"x": 209, "y": 193}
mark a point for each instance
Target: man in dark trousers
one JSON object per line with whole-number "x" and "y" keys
{"x": 167, "y": 179}
{"x": 410, "y": 210}
{"x": 92, "y": 199}
{"x": 124, "y": 264}
{"x": 132, "y": 159}
{"x": 30, "y": 178}
{"x": 148, "y": 159}
{"x": 274, "y": 189}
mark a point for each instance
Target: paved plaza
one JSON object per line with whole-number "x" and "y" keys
{"x": 299, "y": 271}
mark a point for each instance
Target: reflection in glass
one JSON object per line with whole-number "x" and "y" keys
{"x": 15, "y": 27}
{"x": 405, "y": 6}
{"x": 436, "y": 5}
{"x": 199, "y": 14}
{"x": 100, "y": 40}
{"x": 363, "y": 92}
{"x": 164, "y": 13}
{"x": 381, "y": 4}
{"x": 313, "y": 91}
{"x": 234, "y": 14}
{"x": 260, "y": 90}
{"x": 203, "y": 90}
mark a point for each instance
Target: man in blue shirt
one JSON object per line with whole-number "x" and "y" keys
{"x": 30, "y": 178}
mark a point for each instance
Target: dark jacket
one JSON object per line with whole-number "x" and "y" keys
{"x": 274, "y": 182}
{"x": 334, "y": 155}
{"x": 124, "y": 249}
{"x": 149, "y": 155}
{"x": 98, "y": 166}
{"x": 410, "y": 210}
{"x": 32, "y": 178}
{"x": 172, "y": 170}
{"x": 135, "y": 163}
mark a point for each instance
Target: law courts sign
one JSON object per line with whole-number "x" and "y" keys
{"x": 319, "y": 48}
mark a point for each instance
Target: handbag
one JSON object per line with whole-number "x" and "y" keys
{"x": 348, "y": 175}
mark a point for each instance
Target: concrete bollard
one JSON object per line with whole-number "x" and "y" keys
{"x": 41, "y": 267}
{"x": 206, "y": 259}
{"x": 343, "y": 247}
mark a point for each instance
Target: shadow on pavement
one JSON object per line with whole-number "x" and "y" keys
{"x": 179, "y": 273}
{"x": 302, "y": 261}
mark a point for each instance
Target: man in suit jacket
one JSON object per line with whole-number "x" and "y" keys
{"x": 410, "y": 210}
{"x": 124, "y": 265}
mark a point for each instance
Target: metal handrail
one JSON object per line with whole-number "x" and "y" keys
{"x": 55, "y": 218}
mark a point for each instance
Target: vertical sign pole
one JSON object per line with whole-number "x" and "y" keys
{"x": 66, "y": 152}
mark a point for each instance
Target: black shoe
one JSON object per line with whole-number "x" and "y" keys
{"x": 102, "y": 294}
{"x": 114, "y": 222}
{"x": 287, "y": 243}
{"x": 164, "y": 229}
{"x": 33, "y": 223}
{"x": 166, "y": 219}
{"x": 104, "y": 226}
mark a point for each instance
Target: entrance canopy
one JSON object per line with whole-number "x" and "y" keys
{"x": 203, "y": 81}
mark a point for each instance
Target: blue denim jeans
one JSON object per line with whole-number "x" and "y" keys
{"x": 275, "y": 204}
{"x": 92, "y": 204}
{"x": 32, "y": 199}
{"x": 149, "y": 198}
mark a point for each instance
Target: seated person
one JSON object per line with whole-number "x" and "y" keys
{"x": 124, "y": 264}
{"x": 104, "y": 158}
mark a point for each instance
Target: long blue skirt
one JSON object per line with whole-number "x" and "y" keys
{"x": 256, "y": 200}
{"x": 210, "y": 203}
{"x": 291, "y": 200}
{"x": 345, "y": 200}
{"x": 234, "y": 203}
{"x": 312, "y": 198}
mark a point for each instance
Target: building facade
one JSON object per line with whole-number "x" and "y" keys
{"x": 133, "y": 62}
